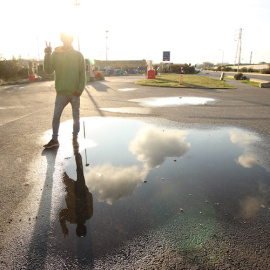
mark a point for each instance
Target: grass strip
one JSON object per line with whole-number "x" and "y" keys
{"x": 251, "y": 83}
{"x": 245, "y": 81}
{"x": 189, "y": 81}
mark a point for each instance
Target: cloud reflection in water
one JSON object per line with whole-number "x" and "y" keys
{"x": 152, "y": 146}
{"x": 113, "y": 183}
{"x": 244, "y": 140}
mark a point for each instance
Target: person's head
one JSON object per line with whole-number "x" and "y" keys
{"x": 81, "y": 230}
{"x": 66, "y": 38}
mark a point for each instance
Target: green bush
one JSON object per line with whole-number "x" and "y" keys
{"x": 224, "y": 68}
{"x": 188, "y": 69}
{"x": 244, "y": 69}
{"x": 240, "y": 76}
{"x": 11, "y": 69}
{"x": 266, "y": 71}
{"x": 251, "y": 70}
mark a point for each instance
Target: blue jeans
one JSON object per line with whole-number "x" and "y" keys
{"x": 61, "y": 101}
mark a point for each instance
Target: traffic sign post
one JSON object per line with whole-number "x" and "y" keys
{"x": 166, "y": 56}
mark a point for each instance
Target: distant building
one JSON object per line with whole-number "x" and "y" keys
{"x": 255, "y": 66}
{"x": 120, "y": 64}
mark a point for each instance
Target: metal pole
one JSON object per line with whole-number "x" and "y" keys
{"x": 106, "y": 51}
{"x": 84, "y": 129}
{"x": 77, "y": 5}
{"x": 222, "y": 58}
{"x": 86, "y": 164}
{"x": 38, "y": 49}
{"x": 240, "y": 43}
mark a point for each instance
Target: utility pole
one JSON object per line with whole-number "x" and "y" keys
{"x": 106, "y": 50}
{"x": 238, "y": 50}
{"x": 77, "y": 5}
{"x": 222, "y": 57}
{"x": 250, "y": 57}
{"x": 38, "y": 50}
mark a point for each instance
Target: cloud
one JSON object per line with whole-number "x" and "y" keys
{"x": 250, "y": 206}
{"x": 113, "y": 183}
{"x": 152, "y": 146}
{"x": 244, "y": 140}
{"x": 247, "y": 161}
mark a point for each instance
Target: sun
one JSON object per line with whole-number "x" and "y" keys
{"x": 64, "y": 18}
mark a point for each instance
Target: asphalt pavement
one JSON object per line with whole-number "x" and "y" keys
{"x": 28, "y": 190}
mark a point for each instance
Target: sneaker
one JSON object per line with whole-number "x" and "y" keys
{"x": 51, "y": 144}
{"x": 75, "y": 143}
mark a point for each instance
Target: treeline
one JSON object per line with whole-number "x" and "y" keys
{"x": 12, "y": 69}
{"x": 176, "y": 68}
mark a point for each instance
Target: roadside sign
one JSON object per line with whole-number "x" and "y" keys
{"x": 166, "y": 55}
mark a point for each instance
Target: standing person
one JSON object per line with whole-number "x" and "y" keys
{"x": 69, "y": 67}
{"x": 182, "y": 70}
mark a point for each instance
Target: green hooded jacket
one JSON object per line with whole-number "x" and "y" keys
{"x": 69, "y": 68}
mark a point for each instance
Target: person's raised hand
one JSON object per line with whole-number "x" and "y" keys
{"x": 48, "y": 48}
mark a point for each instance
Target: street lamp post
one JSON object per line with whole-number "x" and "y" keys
{"x": 77, "y": 5}
{"x": 222, "y": 57}
{"x": 38, "y": 49}
{"x": 106, "y": 50}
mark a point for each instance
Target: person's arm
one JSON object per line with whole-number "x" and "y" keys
{"x": 82, "y": 76}
{"x": 62, "y": 219}
{"x": 48, "y": 60}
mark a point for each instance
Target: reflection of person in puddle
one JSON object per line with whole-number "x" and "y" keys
{"x": 79, "y": 201}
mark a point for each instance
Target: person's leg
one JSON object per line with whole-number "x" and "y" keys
{"x": 61, "y": 102}
{"x": 75, "y": 103}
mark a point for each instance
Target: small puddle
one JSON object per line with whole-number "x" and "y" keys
{"x": 130, "y": 178}
{"x": 130, "y": 110}
{"x": 127, "y": 89}
{"x": 173, "y": 101}
{"x": 12, "y": 107}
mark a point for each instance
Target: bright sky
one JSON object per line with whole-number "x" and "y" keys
{"x": 193, "y": 31}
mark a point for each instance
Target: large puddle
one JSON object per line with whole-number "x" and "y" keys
{"x": 131, "y": 179}
{"x": 140, "y": 176}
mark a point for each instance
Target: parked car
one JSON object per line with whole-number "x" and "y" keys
{"x": 133, "y": 71}
{"x": 111, "y": 71}
{"x": 121, "y": 72}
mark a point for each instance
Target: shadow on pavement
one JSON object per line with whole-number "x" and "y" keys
{"x": 36, "y": 257}
{"x": 94, "y": 102}
{"x": 99, "y": 86}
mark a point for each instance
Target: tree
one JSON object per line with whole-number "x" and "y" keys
{"x": 12, "y": 69}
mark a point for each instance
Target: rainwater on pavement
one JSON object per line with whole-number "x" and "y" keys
{"x": 174, "y": 101}
{"x": 135, "y": 186}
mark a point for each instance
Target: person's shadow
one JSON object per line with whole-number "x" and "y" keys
{"x": 79, "y": 201}
{"x": 38, "y": 247}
